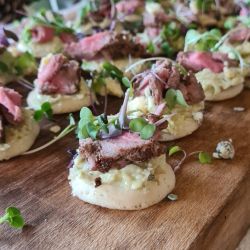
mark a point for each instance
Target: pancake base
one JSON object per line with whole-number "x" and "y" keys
{"x": 20, "y": 138}
{"x": 115, "y": 196}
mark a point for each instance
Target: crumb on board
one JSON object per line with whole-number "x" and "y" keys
{"x": 55, "y": 129}
{"x": 239, "y": 109}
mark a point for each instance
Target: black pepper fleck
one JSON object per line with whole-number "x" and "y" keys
{"x": 98, "y": 182}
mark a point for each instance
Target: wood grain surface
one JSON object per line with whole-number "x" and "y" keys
{"x": 212, "y": 211}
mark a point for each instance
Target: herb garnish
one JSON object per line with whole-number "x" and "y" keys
{"x": 53, "y": 20}
{"x": 13, "y": 217}
{"x": 203, "y": 157}
{"x": 96, "y": 127}
{"x": 174, "y": 97}
{"x": 45, "y": 110}
{"x": 66, "y": 131}
{"x": 114, "y": 72}
{"x": 24, "y": 62}
{"x": 143, "y": 127}
{"x": 48, "y": 19}
{"x": 100, "y": 127}
{"x": 195, "y": 40}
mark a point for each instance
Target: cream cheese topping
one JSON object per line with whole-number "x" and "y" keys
{"x": 60, "y": 98}
{"x": 14, "y": 133}
{"x": 214, "y": 83}
{"x": 42, "y": 49}
{"x": 131, "y": 176}
{"x": 142, "y": 105}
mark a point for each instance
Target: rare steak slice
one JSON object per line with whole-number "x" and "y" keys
{"x": 58, "y": 76}
{"x": 117, "y": 152}
{"x": 10, "y": 109}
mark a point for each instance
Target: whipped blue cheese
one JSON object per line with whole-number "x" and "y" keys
{"x": 224, "y": 150}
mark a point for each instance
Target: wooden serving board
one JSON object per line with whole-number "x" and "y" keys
{"x": 212, "y": 211}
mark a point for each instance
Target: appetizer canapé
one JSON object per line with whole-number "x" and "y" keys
{"x": 59, "y": 82}
{"x": 18, "y": 129}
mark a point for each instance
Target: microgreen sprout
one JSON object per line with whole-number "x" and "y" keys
{"x": 13, "y": 217}
{"x": 172, "y": 197}
{"x": 45, "y": 110}
{"x": 203, "y": 157}
{"x": 64, "y": 132}
{"x": 201, "y": 41}
{"x": 97, "y": 127}
{"x": 174, "y": 97}
{"x": 143, "y": 127}
{"x": 55, "y": 21}
{"x": 113, "y": 71}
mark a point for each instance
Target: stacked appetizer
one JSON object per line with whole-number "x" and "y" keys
{"x": 116, "y": 167}
{"x": 168, "y": 94}
{"x": 18, "y": 129}
{"x": 117, "y": 48}
{"x": 220, "y": 76}
{"x": 13, "y": 63}
{"x": 123, "y": 46}
{"x": 45, "y": 33}
{"x": 59, "y": 82}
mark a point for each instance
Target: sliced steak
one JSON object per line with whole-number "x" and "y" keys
{"x": 10, "y": 109}
{"x": 42, "y": 34}
{"x": 67, "y": 37}
{"x": 162, "y": 76}
{"x": 10, "y": 104}
{"x": 197, "y": 61}
{"x": 128, "y": 147}
{"x": 239, "y": 35}
{"x": 107, "y": 43}
{"x": 58, "y": 76}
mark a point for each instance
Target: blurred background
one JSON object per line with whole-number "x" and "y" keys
{"x": 13, "y": 9}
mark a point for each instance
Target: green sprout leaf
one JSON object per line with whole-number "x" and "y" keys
{"x": 13, "y": 217}
{"x": 24, "y": 62}
{"x": 180, "y": 98}
{"x": 126, "y": 82}
{"x": 72, "y": 121}
{"x": 204, "y": 158}
{"x": 151, "y": 48}
{"x": 91, "y": 126}
{"x": 140, "y": 125}
{"x": 92, "y": 130}
{"x": 83, "y": 14}
{"x": 195, "y": 40}
{"x": 45, "y": 110}
{"x": 86, "y": 114}
{"x": 86, "y": 117}
{"x": 167, "y": 49}
{"x": 38, "y": 115}
{"x": 137, "y": 124}
{"x": 173, "y": 150}
{"x": 113, "y": 71}
{"x": 171, "y": 98}
{"x": 148, "y": 131}
{"x": 174, "y": 97}
{"x": 230, "y": 22}
{"x": 171, "y": 31}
